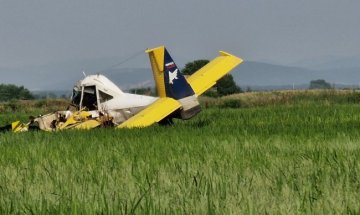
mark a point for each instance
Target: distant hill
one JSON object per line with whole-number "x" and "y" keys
{"x": 264, "y": 74}
{"x": 62, "y": 76}
{"x": 329, "y": 63}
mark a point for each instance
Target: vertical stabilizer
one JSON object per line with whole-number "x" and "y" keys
{"x": 169, "y": 80}
{"x": 175, "y": 83}
{"x": 171, "y": 83}
{"x": 156, "y": 56}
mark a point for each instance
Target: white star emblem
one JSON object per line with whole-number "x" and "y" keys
{"x": 172, "y": 76}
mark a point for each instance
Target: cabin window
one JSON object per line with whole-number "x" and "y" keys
{"x": 104, "y": 97}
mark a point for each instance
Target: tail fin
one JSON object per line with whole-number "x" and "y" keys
{"x": 176, "y": 85}
{"x": 170, "y": 82}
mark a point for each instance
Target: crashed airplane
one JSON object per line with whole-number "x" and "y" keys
{"x": 100, "y": 103}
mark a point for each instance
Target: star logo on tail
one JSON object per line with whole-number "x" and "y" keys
{"x": 173, "y": 76}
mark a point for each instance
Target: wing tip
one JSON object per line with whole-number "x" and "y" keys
{"x": 224, "y": 53}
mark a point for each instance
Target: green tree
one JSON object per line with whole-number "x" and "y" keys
{"x": 225, "y": 86}
{"x": 10, "y": 92}
{"x": 194, "y": 66}
{"x": 319, "y": 84}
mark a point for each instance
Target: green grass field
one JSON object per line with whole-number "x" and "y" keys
{"x": 296, "y": 158}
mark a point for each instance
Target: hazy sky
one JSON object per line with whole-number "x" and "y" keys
{"x": 36, "y": 32}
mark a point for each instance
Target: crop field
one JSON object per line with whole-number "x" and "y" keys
{"x": 268, "y": 154}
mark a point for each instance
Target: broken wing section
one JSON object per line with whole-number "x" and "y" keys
{"x": 207, "y": 76}
{"x": 157, "y": 111}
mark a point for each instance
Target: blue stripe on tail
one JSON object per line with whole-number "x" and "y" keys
{"x": 176, "y": 85}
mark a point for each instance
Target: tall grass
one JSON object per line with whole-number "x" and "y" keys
{"x": 292, "y": 159}
{"x": 290, "y": 97}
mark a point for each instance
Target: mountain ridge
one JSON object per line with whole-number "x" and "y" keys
{"x": 63, "y": 76}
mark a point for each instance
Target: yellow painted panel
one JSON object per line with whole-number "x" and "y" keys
{"x": 89, "y": 124}
{"x": 207, "y": 76}
{"x": 70, "y": 121}
{"x": 14, "y": 125}
{"x": 19, "y": 127}
{"x": 156, "y": 56}
{"x": 157, "y": 111}
{"x": 76, "y": 118}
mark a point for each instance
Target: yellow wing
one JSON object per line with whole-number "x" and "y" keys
{"x": 157, "y": 111}
{"x": 207, "y": 76}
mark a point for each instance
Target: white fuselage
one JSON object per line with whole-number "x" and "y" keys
{"x": 126, "y": 101}
{"x": 97, "y": 93}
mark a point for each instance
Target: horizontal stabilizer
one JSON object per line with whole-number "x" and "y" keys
{"x": 207, "y": 76}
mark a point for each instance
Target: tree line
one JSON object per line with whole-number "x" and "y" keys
{"x": 11, "y": 91}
